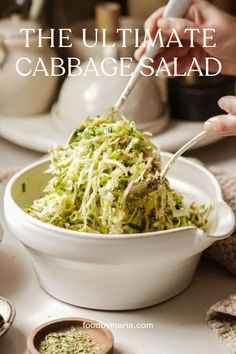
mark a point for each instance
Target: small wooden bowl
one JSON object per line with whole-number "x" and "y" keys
{"x": 99, "y": 335}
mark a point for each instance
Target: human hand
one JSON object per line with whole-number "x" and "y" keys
{"x": 201, "y": 15}
{"x": 224, "y": 124}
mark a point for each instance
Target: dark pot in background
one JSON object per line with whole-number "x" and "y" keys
{"x": 195, "y": 98}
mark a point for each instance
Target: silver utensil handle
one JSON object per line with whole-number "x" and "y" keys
{"x": 35, "y": 9}
{"x": 174, "y": 8}
{"x": 182, "y": 150}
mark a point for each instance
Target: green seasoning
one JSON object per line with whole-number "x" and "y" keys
{"x": 69, "y": 342}
{"x": 23, "y": 187}
{"x": 98, "y": 179}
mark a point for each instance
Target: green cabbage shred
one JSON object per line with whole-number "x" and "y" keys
{"x": 106, "y": 181}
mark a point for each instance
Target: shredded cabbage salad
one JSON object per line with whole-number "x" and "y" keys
{"x": 106, "y": 181}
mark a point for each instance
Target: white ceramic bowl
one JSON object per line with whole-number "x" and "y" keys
{"x": 116, "y": 272}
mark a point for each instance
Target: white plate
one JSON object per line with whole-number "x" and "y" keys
{"x": 39, "y": 133}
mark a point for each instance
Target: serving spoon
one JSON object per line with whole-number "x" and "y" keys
{"x": 181, "y": 151}
{"x": 224, "y": 126}
{"x": 174, "y": 8}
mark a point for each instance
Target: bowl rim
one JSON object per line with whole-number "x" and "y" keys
{"x": 87, "y": 235}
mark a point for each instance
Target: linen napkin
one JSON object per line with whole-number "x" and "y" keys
{"x": 224, "y": 251}
{"x": 221, "y": 317}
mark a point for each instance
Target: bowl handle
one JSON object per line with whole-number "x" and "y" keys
{"x": 226, "y": 222}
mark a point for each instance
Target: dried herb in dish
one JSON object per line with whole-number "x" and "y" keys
{"x": 69, "y": 342}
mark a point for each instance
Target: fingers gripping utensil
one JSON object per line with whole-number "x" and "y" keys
{"x": 224, "y": 126}
{"x": 35, "y": 9}
{"x": 174, "y": 8}
{"x": 181, "y": 151}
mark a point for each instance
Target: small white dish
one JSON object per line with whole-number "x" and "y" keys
{"x": 8, "y": 313}
{"x": 116, "y": 272}
{"x": 35, "y": 133}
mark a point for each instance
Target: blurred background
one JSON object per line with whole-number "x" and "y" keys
{"x": 59, "y": 12}
{"x": 164, "y": 107}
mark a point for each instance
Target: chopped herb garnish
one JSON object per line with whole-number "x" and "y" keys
{"x": 23, "y": 187}
{"x": 98, "y": 184}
